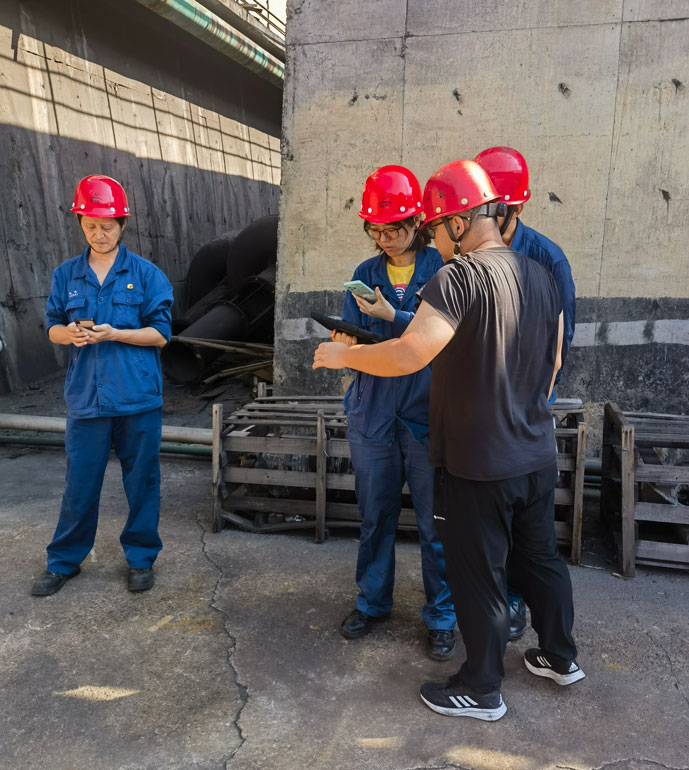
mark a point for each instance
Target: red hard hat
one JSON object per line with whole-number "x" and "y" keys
{"x": 509, "y": 173}
{"x": 391, "y": 193}
{"x": 100, "y": 196}
{"x": 457, "y": 186}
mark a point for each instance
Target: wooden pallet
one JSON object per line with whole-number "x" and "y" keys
{"x": 284, "y": 463}
{"x": 644, "y": 462}
{"x": 570, "y": 435}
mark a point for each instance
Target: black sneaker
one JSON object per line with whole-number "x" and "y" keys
{"x": 563, "y": 673}
{"x": 455, "y": 699}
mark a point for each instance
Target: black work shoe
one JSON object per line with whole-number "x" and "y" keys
{"x": 517, "y": 619}
{"x": 455, "y": 699}
{"x": 140, "y": 578}
{"x": 540, "y": 664}
{"x": 440, "y": 644}
{"x": 51, "y": 582}
{"x": 358, "y": 624}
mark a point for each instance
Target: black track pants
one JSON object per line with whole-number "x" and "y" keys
{"x": 481, "y": 524}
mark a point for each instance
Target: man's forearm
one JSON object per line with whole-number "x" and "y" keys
{"x": 391, "y": 358}
{"x": 148, "y": 337}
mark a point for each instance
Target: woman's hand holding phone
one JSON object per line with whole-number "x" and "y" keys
{"x": 381, "y": 308}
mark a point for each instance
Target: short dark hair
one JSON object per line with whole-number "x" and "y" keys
{"x": 421, "y": 239}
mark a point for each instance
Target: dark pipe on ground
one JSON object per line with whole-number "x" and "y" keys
{"x": 185, "y": 363}
{"x": 241, "y": 305}
{"x": 252, "y": 250}
{"x": 256, "y": 297}
{"x": 209, "y": 266}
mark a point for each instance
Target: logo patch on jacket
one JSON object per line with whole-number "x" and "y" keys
{"x": 72, "y": 294}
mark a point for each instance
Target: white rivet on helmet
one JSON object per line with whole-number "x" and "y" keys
{"x": 526, "y": 192}
{"x": 126, "y": 209}
{"x": 82, "y": 206}
{"x": 464, "y": 201}
{"x": 418, "y": 203}
{"x": 402, "y": 208}
{"x": 507, "y": 197}
{"x": 438, "y": 209}
{"x": 72, "y": 204}
{"x": 112, "y": 208}
{"x": 370, "y": 211}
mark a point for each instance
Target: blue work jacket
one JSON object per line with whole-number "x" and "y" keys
{"x": 112, "y": 378}
{"x": 536, "y": 246}
{"x": 374, "y": 404}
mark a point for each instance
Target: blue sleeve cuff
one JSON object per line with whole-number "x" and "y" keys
{"x": 401, "y": 321}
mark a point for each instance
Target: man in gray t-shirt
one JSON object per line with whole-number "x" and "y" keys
{"x": 490, "y": 321}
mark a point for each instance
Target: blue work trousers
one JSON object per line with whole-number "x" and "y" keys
{"x": 380, "y": 473}
{"x": 136, "y": 440}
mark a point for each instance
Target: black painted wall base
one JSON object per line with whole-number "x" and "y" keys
{"x": 638, "y": 373}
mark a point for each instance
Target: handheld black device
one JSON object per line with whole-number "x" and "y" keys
{"x": 337, "y": 324}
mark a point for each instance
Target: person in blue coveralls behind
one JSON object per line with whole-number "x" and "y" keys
{"x": 388, "y": 416}
{"x": 112, "y": 307}
{"x": 509, "y": 174}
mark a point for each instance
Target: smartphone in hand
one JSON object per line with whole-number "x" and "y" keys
{"x": 85, "y": 323}
{"x": 361, "y": 290}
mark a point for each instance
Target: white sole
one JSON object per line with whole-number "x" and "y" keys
{"x": 561, "y": 679}
{"x": 487, "y": 715}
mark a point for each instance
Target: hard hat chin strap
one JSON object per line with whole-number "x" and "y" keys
{"x": 507, "y": 220}
{"x": 490, "y": 210}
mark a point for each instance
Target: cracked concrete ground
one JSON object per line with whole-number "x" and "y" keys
{"x": 233, "y": 660}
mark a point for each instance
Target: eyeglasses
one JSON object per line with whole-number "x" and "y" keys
{"x": 430, "y": 229}
{"x": 389, "y": 233}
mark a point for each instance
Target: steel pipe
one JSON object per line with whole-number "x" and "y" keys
{"x": 59, "y": 441}
{"x": 214, "y": 31}
{"x": 173, "y": 433}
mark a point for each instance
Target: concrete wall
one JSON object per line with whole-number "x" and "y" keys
{"x": 595, "y": 93}
{"x": 113, "y": 88}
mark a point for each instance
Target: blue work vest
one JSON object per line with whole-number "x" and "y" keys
{"x": 112, "y": 378}
{"x": 374, "y": 404}
{"x": 539, "y": 248}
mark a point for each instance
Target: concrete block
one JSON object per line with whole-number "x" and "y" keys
{"x": 319, "y": 21}
{"x": 644, "y": 252}
{"x": 559, "y": 115}
{"x": 80, "y": 99}
{"x": 25, "y": 93}
{"x": 338, "y": 130}
{"x": 439, "y": 17}
{"x": 654, "y": 10}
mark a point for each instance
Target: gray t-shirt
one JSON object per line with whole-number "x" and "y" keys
{"x": 489, "y": 417}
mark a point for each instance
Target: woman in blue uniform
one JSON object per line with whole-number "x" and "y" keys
{"x": 388, "y": 416}
{"x": 112, "y": 307}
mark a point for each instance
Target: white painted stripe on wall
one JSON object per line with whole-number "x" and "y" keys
{"x": 295, "y": 329}
{"x": 673, "y": 332}
{"x": 666, "y": 331}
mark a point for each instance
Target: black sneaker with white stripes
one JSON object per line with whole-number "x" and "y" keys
{"x": 455, "y": 699}
{"x": 538, "y": 663}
